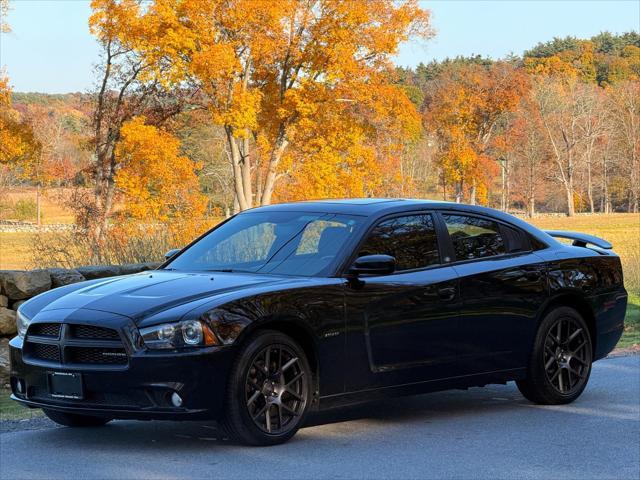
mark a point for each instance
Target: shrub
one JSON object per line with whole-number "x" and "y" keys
{"x": 24, "y": 209}
{"x": 124, "y": 242}
{"x": 75, "y": 247}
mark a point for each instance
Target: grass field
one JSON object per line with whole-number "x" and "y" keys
{"x": 15, "y": 250}
{"x": 51, "y": 204}
{"x": 10, "y": 410}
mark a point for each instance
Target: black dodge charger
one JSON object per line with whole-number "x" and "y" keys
{"x": 303, "y": 306}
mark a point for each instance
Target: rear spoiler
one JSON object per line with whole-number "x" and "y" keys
{"x": 580, "y": 239}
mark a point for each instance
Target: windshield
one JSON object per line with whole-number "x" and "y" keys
{"x": 285, "y": 243}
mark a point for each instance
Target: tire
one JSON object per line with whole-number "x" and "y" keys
{"x": 560, "y": 362}
{"x": 74, "y": 419}
{"x": 267, "y": 405}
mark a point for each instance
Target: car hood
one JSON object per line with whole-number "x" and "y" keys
{"x": 142, "y": 295}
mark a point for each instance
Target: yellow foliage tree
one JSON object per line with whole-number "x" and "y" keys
{"x": 269, "y": 69}
{"x": 463, "y": 110}
{"x": 157, "y": 183}
{"x": 17, "y": 143}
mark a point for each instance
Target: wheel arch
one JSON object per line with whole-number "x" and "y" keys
{"x": 298, "y": 331}
{"x": 578, "y": 302}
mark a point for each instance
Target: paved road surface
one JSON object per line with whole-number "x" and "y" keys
{"x": 482, "y": 433}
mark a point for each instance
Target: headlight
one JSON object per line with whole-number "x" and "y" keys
{"x": 190, "y": 333}
{"x": 22, "y": 323}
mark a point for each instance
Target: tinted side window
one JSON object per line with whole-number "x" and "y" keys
{"x": 537, "y": 244}
{"x": 410, "y": 239}
{"x": 474, "y": 237}
{"x": 516, "y": 240}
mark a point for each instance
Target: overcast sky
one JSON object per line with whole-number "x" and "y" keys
{"x": 50, "y": 48}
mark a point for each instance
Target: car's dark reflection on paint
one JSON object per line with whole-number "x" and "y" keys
{"x": 290, "y": 308}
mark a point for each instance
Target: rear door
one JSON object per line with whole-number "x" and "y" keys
{"x": 402, "y": 326}
{"x": 502, "y": 286}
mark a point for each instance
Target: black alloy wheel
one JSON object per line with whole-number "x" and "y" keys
{"x": 567, "y": 355}
{"x": 276, "y": 389}
{"x": 269, "y": 390}
{"x": 560, "y": 362}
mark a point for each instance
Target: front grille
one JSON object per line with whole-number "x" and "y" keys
{"x": 92, "y": 332}
{"x": 73, "y": 344}
{"x": 43, "y": 351}
{"x": 45, "y": 329}
{"x": 97, "y": 355}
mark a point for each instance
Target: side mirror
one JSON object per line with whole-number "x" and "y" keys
{"x": 171, "y": 253}
{"x": 373, "y": 265}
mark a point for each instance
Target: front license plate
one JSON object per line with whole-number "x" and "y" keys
{"x": 65, "y": 385}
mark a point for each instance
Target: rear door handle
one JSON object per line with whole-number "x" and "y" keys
{"x": 447, "y": 293}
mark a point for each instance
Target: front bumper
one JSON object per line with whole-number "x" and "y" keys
{"x": 141, "y": 390}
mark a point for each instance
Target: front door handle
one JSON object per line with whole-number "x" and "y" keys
{"x": 447, "y": 293}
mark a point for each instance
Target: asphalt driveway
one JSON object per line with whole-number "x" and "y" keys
{"x": 481, "y": 433}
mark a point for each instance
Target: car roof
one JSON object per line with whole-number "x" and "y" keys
{"x": 378, "y": 207}
{"x": 350, "y": 206}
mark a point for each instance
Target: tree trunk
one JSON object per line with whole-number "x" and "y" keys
{"x": 606, "y": 205}
{"x": 590, "y": 188}
{"x": 245, "y": 166}
{"x": 508, "y": 192}
{"x": 472, "y": 194}
{"x": 570, "y": 206}
{"x": 236, "y": 160}
{"x": 38, "y": 203}
{"x": 531, "y": 210}
{"x": 459, "y": 190}
{"x": 503, "y": 198}
{"x": 272, "y": 170}
{"x": 444, "y": 188}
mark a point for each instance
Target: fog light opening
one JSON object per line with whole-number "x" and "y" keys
{"x": 176, "y": 399}
{"x": 20, "y": 386}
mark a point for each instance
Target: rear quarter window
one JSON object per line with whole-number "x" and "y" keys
{"x": 515, "y": 239}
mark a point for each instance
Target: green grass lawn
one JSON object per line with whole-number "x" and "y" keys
{"x": 631, "y": 335}
{"x": 10, "y": 410}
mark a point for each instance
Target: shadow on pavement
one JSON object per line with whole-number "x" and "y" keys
{"x": 189, "y": 435}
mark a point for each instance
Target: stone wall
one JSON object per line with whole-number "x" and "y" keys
{"x": 17, "y": 286}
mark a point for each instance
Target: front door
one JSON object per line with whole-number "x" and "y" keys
{"x": 402, "y": 327}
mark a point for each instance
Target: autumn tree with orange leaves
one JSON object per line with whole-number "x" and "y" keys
{"x": 272, "y": 72}
{"x": 157, "y": 183}
{"x": 462, "y": 109}
{"x": 17, "y": 143}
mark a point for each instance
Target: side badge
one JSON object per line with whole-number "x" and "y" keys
{"x": 333, "y": 333}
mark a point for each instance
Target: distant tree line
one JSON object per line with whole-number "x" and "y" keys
{"x": 556, "y": 130}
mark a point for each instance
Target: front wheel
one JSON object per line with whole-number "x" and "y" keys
{"x": 75, "y": 420}
{"x": 560, "y": 363}
{"x": 269, "y": 390}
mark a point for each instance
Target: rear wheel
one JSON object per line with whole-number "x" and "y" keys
{"x": 75, "y": 420}
{"x": 269, "y": 390}
{"x": 560, "y": 363}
